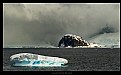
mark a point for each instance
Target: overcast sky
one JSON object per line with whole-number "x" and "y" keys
{"x": 36, "y": 24}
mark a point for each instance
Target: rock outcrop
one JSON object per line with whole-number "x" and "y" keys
{"x": 72, "y": 40}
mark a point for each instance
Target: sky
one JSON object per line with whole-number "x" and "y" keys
{"x": 41, "y": 24}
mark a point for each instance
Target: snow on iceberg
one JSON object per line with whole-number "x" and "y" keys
{"x": 29, "y": 59}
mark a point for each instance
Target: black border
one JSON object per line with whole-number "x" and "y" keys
{"x": 61, "y": 1}
{"x": 56, "y": 1}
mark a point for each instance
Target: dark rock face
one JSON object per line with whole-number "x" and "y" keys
{"x": 72, "y": 40}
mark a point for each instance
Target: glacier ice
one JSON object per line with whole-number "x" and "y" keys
{"x": 29, "y": 59}
{"x": 109, "y": 40}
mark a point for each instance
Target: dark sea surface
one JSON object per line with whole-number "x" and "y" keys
{"x": 79, "y": 59}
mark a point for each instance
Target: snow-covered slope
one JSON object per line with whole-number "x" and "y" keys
{"x": 107, "y": 39}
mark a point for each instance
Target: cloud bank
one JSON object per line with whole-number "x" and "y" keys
{"x": 37, "y": 24}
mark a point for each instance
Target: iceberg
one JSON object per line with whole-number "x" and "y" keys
{"x": 29, "y": 59}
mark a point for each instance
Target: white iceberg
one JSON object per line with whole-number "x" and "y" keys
{"x": 29, "y": 59}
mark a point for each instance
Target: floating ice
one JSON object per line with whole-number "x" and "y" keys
{"x": 29, "y": 59}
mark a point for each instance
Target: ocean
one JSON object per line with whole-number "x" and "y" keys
{"x": 79, "y": 59}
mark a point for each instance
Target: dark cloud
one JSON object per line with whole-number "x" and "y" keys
{"x": 36, "y": 24}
